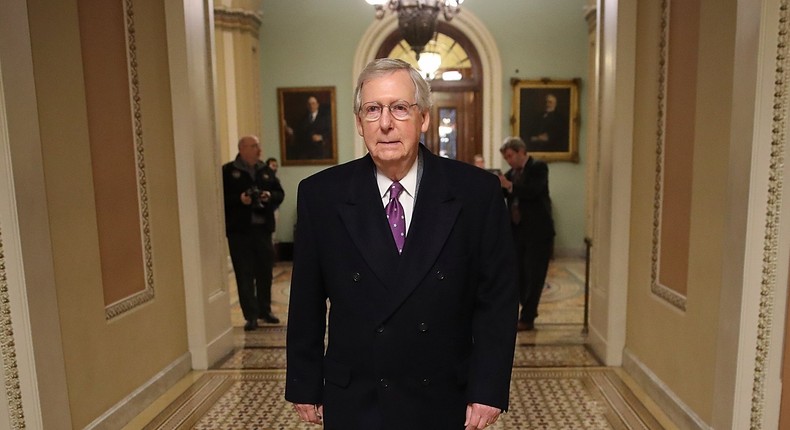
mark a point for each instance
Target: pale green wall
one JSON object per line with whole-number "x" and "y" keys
{"x": 312, "y": 43}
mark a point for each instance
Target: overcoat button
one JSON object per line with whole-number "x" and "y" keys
{"x": 380, "y": 329}
{"x": 423, "y": 327}
{"x": 356, "y": 277}
{"x": 384, "y": 383}
{"x": 439, "y": 275}
{"x": 425, "y": 382}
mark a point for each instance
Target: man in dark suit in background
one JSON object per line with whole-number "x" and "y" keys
{"x": 313, "y": 134}
{"x": 252, "y": 191}
{"x": 526, "y": 186}
{"x": 414, "y": 254}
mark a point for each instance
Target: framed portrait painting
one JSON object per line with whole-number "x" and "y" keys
{"x": 308, "y": 127}
{"x": 546, "y": 117}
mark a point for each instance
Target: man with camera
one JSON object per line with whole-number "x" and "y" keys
{"x": 252, "y": 192}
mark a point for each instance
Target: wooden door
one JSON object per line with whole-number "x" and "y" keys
{"x": 456, "y": 127}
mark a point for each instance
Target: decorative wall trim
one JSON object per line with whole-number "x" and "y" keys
{"x": 772, "y": 215}
{"x": 147, "y": 294}
{"x": 237, "y": 20}
{"x": 667, "y": 294}
{"x": 10, "y": 370}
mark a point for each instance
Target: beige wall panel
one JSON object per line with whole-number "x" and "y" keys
{"x": 681, "y": 104}
{"x": 133, "y": 348}
{"x": 687, "y": 367}
{"x": 112, "y": 144}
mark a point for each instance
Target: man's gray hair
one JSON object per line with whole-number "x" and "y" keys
{"x": 386, "y": 66}
{"x": 513, "y": 142}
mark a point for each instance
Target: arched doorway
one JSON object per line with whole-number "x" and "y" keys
{"x": 456, "y": 117}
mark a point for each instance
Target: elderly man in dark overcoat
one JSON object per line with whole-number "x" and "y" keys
{"x": 411, "y": 255}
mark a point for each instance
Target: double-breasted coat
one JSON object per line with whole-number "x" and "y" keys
{"x": 413, "y": 337}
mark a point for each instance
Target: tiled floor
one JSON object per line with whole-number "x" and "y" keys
{"x": 557, "y": 383}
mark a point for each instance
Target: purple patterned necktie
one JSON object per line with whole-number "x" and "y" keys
{"x": 395, "y": 216}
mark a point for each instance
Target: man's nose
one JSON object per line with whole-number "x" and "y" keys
{"x": 385, "y": 121}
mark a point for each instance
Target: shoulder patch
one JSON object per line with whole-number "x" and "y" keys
{"x": 236, "y": 174}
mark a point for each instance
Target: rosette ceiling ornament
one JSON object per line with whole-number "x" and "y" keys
{"x": 417, "y": 18}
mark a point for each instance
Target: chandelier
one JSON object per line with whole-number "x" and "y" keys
{"x": 417, "y": 18}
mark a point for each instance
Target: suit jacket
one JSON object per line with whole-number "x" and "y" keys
{"x": 531, "y": 195}
{"x": 236, "y": 180}
{"x": 413, "y": 337}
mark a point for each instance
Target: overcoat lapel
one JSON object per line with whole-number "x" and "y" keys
{"x": 435, "y": 212}
{"x": 363, "y": 215}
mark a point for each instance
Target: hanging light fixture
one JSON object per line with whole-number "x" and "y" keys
{"x": 417, "y": 18}
{"x": 429, "y": 63}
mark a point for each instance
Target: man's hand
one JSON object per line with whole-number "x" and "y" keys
{"x": 246, "y": 199}
{"x": 480, "y": 416}
{"x": 504, "y": 183}
{"x": 310, "y": 413}
{"x": 265, "y": 196}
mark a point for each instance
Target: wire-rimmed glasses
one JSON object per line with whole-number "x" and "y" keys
{"x": 371, "y": 111}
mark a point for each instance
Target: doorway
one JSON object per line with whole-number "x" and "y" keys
{"x": 456, "y": 129}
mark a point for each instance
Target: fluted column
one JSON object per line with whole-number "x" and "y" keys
{"x": 236, "y": 25}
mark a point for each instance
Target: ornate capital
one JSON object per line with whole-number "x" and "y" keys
{"x": 240, "y": 20}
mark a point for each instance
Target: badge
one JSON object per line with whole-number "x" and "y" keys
{"x": 236, "y": 174}
{"x": 265, "y": 176}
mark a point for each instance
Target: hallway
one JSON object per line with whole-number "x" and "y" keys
{"x": 557, "y": 383}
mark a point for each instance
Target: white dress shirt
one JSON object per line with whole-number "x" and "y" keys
{"x": 409, "y": 183}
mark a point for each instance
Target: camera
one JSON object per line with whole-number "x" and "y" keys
{"x": 255, "y": 194}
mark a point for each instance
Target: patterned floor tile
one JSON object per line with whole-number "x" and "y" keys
{"x": 557, "y": 383}
{"x": 593, "y": 399}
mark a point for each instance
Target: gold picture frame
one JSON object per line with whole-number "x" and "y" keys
{"x": 546, "y": 116}
{"x": 306, "y": 138}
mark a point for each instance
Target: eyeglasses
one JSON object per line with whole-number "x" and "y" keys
{"x": 399, "y": 110}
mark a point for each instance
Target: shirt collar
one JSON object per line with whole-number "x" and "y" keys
{"x": 409, "y": 182}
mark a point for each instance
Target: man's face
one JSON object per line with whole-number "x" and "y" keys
{"x": 551, "y": 103}
{"x": 392, "y": 142}
{"x": 312, "y": 104}
{"x": 250, "y": 150}
{"x": 515, "y": 159}
{"x": 273, "y": 165}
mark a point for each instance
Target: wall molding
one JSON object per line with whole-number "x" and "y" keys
{"x": 667, "y": 294}
{"x": 773, "y": 206}
{"x": 239, "y": 20}
{"x": 118, "y": 308}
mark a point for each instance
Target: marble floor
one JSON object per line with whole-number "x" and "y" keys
{"x": 557, "y": 382}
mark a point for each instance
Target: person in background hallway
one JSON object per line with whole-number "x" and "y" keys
{"x": 526, "y": 187}
{"x": 312, "y": 138}
{"x": 271, "y": 162}
{"x": 251, "y": 192}
{"x": 479, "y": 161}
{"x": 423, "y": 301}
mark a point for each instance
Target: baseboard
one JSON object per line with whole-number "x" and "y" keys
{"x": 219, "y": 347}
{"x": 668, "y": 401}
{"x": 570, "y": 252}
{"x": 133, "y": 404}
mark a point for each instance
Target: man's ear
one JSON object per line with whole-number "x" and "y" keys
{"x": 426, "y": 120}
{"x": 359, "y": 125}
